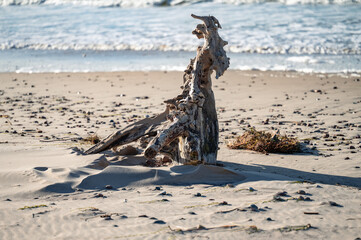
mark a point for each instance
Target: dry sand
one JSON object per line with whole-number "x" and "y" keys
{"x": 313, "y": 195}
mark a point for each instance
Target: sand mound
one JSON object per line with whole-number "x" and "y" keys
{"x": 120, "y": 176}
{"x": 63, "y": 171}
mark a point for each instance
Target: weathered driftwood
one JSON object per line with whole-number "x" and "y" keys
{"x": 187, "y": 131}
{"x": 143, "y": 128}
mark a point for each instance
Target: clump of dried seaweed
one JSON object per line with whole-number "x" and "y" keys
{"x": 265, "y": 142}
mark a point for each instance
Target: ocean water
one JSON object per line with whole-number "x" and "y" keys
{"x": 114, "y": 35}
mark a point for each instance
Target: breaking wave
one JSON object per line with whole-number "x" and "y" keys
{"x": 297, "y": 50}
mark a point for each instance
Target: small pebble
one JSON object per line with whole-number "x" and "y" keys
{"x": 159, "y": 222}
{"x": 278, "y": 199}
{"x": 253, "y": 207}
{"x": 334, "y": 204}
{"x": 109, "y": 187}
{"x": 106, "y": 217}
{"x": 301, "y": 192}
{"x": 283, "y": 194}
{"x": 197, "y": 195}
{"x": 97, "y": 195}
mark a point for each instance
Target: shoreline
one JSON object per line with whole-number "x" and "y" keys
{"x": 42, "y": 61}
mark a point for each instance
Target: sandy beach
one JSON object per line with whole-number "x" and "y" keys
{"x": 50, "y": 190}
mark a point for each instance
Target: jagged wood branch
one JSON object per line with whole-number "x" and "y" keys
{"x": 131, "y": 133}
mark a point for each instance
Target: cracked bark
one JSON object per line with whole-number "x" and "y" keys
{"x": 187, "y": 131}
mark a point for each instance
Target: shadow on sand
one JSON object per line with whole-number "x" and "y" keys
{"x": 130, "y": 172}
{"x": 296, "y": 174}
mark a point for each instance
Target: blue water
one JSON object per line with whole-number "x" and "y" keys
{"x": 95, "y": 37}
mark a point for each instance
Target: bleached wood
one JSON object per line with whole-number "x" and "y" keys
{"x": 188, "y": 131}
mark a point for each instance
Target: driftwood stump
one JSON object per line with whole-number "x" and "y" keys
{"x": 187, "y": 131}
